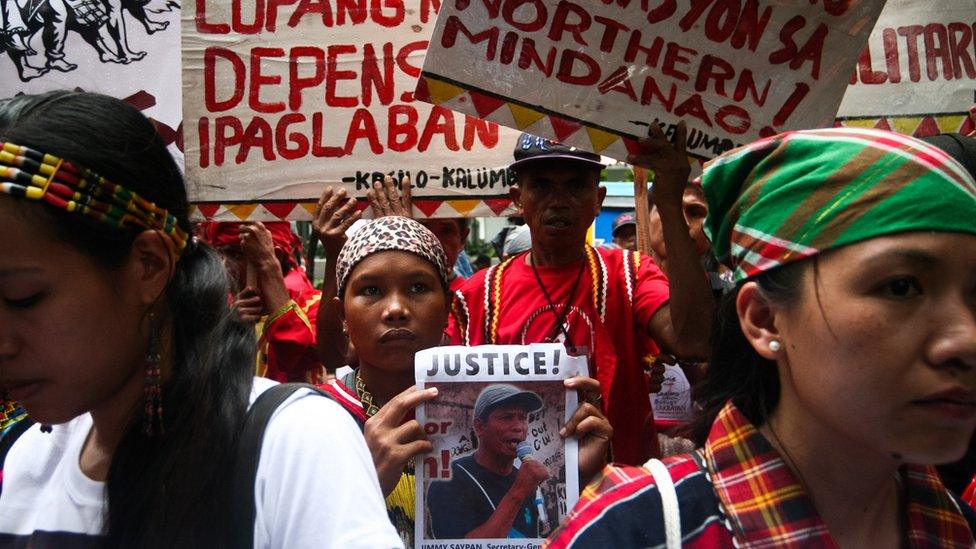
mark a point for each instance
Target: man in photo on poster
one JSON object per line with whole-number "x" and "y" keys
{"x": 488, "y": 496}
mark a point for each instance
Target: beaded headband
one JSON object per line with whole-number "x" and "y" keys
{"x": 26, "y": 173}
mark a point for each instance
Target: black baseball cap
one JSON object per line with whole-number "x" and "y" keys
{"x": 531, "y": 148}
{"x": 624, "y": 219}
{"x": 494, "y": 396}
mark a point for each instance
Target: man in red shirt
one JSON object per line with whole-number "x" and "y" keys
{"x": 598, "y": 302}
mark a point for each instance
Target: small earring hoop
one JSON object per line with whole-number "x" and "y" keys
{"x": 775, "y": 346}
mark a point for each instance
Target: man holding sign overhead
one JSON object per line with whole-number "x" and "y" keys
{"x": 599, "y": 303}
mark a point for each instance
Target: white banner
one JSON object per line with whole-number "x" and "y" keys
{"x": 283, "y": 98}
{"x": 735, "y": 71}
{"x": 920, "y": 61}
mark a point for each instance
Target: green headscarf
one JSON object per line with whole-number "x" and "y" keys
{"x": 794, "y": 195}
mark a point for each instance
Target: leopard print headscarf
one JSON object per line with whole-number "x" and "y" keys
{"x": 391, "y": 233}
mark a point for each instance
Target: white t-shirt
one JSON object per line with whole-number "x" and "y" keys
{"x": 315, "y": 487}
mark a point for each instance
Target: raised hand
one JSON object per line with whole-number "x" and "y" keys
{"x": 334, "y": 214}
{"x": 257, "y": 244}
{"x": 386, "y": 200}
{"x": 669, "y": 162}
{"x": 258, "y": 247}
{"x": 248, "y": 305}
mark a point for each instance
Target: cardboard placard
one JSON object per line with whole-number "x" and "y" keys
{"x": 284, "y": 98}
{"x": 595, "y": 74}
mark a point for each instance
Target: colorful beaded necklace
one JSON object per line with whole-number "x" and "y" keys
{"x": 10, "y": 414}
{"x": 366, "y": 397}
{"x": 400, "y": 503}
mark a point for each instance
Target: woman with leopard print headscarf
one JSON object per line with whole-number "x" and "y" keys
{"x": 394, "y": 299}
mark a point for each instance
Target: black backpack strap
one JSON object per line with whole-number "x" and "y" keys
{"x": 249, "y": 456}
{"x": 7, "y": 442}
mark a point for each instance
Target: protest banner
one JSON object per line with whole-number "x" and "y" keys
{"x": 917, "y": 74}
{"x": 499, "y": 404}
{"x": 129, "y": 50}
{"x": 595, "y": 74}
{"x": 282, "y": 98}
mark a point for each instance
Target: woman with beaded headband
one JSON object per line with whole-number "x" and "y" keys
{"x": 116, "y": 333}
{"x": 843, "y": 365}
{"x": 393, "y": 300}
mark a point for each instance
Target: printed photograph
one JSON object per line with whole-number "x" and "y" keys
{"x": 498, "y": 468}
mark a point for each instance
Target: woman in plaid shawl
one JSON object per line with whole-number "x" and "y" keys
{"x": 843, "y": 365}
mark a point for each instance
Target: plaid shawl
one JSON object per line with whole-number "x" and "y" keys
{"x": 747, "y": 494}
{"x": 767, "y": 506}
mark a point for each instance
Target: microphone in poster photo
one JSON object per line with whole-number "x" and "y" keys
{"x": 525, "y": 453}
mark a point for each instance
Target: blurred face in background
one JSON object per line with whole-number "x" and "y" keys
{"x": 452, "y": 233}
{"x": 626, "y": 237}
{"x": 695, "y": 208}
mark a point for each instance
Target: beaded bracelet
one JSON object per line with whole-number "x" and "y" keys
{"x": 26, "y": 173}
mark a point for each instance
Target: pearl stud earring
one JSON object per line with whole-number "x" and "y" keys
{"x": 775, "y": 346}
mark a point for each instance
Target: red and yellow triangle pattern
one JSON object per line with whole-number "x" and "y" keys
{"x": 304, "y": 211}
{"x": 917, "y": 126}
{"x": 435, "y": 90}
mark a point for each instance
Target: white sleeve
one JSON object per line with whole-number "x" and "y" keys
{"x": 316, "y": 485}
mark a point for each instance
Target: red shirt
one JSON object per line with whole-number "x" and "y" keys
{"x": 456, "y": 283}
{"x": 615, "y": 298}
{"x": 286, "y": 344}
{"x": 297, "y": 282}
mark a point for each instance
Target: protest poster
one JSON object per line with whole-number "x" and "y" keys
{"x": 672, "y": 404}
{"x": 501, "y": 405}
{"x": 129, "y": 50}
{"x": 917, "y": 74}
{"x": 282, "y": 98}
{"x": 595, "y": 74}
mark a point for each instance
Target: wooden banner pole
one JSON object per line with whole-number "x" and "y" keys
{"x": 643, "y": 210}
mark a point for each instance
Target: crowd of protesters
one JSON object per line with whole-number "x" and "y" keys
{"x": 813, "y": 294}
